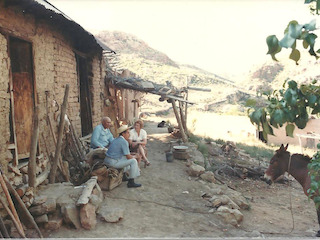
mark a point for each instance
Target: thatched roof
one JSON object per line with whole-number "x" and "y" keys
{"x": 165, "y": 91}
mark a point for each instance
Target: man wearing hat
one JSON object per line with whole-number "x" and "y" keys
{"x": 118, "y": 156}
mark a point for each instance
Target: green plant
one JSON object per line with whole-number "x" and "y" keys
{"x": 203, "y": 148}
{"x": 291, "y": 105}
{"x": 220, "y": 141}
{"x": 194, "y": 138}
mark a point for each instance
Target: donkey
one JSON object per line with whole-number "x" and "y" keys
{"x": 296, "y": 165}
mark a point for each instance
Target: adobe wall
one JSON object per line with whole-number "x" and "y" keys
{"x": 280, "y": 137}
{"x": 54, "y": 67}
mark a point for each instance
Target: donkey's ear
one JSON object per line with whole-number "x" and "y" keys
{"x": 281, "y": 147}
{"x": 286, "y": 147}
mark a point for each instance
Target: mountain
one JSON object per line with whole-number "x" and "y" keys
{"x": 226, "y": 96}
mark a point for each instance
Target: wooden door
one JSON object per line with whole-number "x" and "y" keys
{"x": 22, "y": 93}
{"x": 85, "y": 99}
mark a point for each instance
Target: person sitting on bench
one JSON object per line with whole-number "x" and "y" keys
{"x": 101, "y": 135}
{"x": 118, "y": 156}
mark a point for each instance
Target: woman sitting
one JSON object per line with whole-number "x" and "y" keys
{"x": 138, "y": 141}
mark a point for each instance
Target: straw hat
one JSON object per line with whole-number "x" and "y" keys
{"x": 122, "y": 128}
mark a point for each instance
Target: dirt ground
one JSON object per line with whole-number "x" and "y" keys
{"x": 169, "y": 204}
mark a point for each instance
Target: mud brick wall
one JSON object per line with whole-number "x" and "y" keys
{"x": 54, "y": 67}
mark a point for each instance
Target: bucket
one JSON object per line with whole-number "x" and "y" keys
{"x": 169, "y": 156}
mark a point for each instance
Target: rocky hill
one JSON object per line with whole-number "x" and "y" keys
{"x": 150, "y": 64}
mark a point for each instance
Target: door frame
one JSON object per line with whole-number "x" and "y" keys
{"x": 11, "y": 147}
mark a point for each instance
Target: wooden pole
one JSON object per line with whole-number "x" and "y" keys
{"x": 60, "y": 164}
{"x": 3, "y": 229}
{"x": 33, "y": 149}
{"x": 11, "y": 205}
{"x": 53, "y": 172}
{"x": 16, "y": 222}
{"x": 22, "y": 205}
{"x": 183, "y": 134}
{"x": 183, "y": 119}
{"x": 186, "y": 106}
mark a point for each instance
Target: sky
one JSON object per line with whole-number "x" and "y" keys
{"x": 226, "y": 37}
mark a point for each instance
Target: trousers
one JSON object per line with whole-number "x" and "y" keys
{"x": 126, "y": 164}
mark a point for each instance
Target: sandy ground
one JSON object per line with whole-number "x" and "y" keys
{"x": 169, "y": 204}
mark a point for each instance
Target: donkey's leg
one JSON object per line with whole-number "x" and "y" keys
{"x": 318, "y": 213}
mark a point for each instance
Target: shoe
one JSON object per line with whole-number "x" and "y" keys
{"x": 125, "y": 178}
{"x": 132, "y": 184}
{"x": 146, "y": 163}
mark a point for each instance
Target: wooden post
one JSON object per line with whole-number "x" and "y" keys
{"x": 53, "y": 171}
{"x": 33, "y": 149}
{"x": 186, "y": 107}
{"x": 183, "y": 119}
{"x": 183, "y": 134}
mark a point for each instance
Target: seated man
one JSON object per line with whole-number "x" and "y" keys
{"x": 101, "y": 135}
{"x": 118, "y": 156}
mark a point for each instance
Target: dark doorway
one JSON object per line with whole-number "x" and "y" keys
{"x": 22, "y": 93}
{"x": 85, "y": 100}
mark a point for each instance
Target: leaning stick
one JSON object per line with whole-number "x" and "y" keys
{"x": 11, "y": 205}
{"x": 3, "y": 229}
{"x": 15, "y": 222}
{"x": 23, "y": 206}
{"x": 53, "y": 171}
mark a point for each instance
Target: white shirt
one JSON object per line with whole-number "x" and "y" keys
{"x": 138, "y": 138}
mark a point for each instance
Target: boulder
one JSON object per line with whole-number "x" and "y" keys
{"x": 111, "y": 215}
{"x": 197, "y": 157}
{"x": 71, "y": 216}
{"x": 195, "y": 170}
{"x": 231, "y": 216}
{"x": 88, "y": 216}
{"x": 47, "y": 207}
{"x": 208, "y": 176}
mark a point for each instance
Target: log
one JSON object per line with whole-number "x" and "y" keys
{"x": 183, "y": 134}
{"x": 23, "y": 207}
{"x": 53, "y": 172}
{"x": 86, "y": 193}
{"x": 33, "y": 149}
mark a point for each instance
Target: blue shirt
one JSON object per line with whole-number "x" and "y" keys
{"x": 118, "y": 148}
{"x": 101, "y": 137}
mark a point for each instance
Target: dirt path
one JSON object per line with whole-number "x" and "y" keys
{"x": 169, "y": 204}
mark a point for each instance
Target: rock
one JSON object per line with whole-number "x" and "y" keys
{"x": 110, "y": 215}
{"x": 41, "y": 219}
{"x": 95, "y": 200}
{"x": 88, "y": 216}
{"x": 231, "y": 216}
{"x": 241, "y": 201}
{"x": 195, "y": 170}
{"x": 208, "y": 176}
{"x": 54, "y": 222}
{"x": 38, "y": 200}
{"x": 70, "y": 213}
{"x": 217, "y": 201}
{"x": 47, "y": 207}
{"x": 197, "y": 157}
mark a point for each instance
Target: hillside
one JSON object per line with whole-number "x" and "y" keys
{"x": 226, "y": 96}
